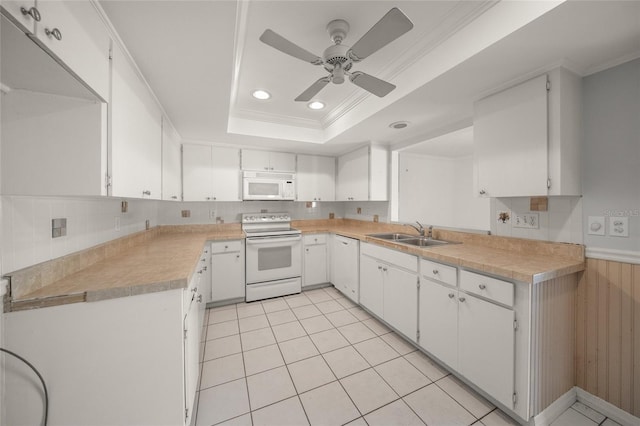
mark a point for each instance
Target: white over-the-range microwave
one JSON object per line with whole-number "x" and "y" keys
{"x": 268, "y": 186}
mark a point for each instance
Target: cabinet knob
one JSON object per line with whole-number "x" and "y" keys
{"x": 319, "y": 199}
{"x": 33, "y": 12}
{"x": 204, "y": 268}
{"x": 482, "y": 286}
{"x": 199, "y": 298}
{"x": 379, "y": 268}
{"x": 200, "y": 271}
{"x": 55, "y": 33}
{"x": 214, "y": 198}
{"x": 237, "y": 256}
{"x": 307, "y": 250}
{"x": 483, "y": 192}
{"x": 435, "y": 272}
{"x": 451, "y": 295}
{"x": 462, "y": 299}
{"x": 174, "y": 197}
{"x": 226, "y": 247}
{"x": 146, "y": 192}
{"x": 194, "y": 290}
{"x": 384, "y": 269}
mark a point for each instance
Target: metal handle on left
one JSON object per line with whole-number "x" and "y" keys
{"x": 33, "y": 12}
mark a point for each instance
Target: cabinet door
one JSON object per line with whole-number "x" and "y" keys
{"x": 371, "y": 288}
{"x": 510, "y": 138}
{"x": 84, "y": 43}
{"x": 197, "y": 174}
{"x": 345, "y": 266}
{"x": 136, "y": 134}
{"x": 225, "y": 163}
{"x": 400, "y": 294}
{"x": 316, "y": 178}
{"x": 255, "y": 160}
{"x": 353, "y": 176}
{"x": 26, "y": 22}
{"x": 228, "y": 276}
{"x": 282, "y": 161}
{"x": 439, "y": 322}
{"x": 315, "y": 265}
{"x": 191, "y": 356}
{"x": 170, "y": 163}
{"x": 486, "y": 339}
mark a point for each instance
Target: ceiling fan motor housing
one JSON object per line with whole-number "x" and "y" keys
{"x": 337, "y": 54}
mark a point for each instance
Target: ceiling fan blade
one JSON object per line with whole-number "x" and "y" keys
{"x": 313, "y": 89}
{"x": 371, "y": 84}
{"x": 388, "y": 28}
{"x": 282, "y": 44}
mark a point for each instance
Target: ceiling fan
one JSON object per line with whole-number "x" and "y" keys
{"x": 339, "y": 58}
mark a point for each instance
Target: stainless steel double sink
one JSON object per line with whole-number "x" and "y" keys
{"x": 411, "y": 240}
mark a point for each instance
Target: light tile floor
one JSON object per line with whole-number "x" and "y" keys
{"x": 316, "y": 358}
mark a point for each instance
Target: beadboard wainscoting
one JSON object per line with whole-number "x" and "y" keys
{"x": 608, "y": 332}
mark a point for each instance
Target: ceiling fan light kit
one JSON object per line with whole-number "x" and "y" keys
{"x": 338, "y": 59}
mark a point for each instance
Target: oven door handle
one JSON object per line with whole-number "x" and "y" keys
{"x": 271, "y": 240}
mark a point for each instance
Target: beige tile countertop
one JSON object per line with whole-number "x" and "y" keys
{"x": 166, "y": 257}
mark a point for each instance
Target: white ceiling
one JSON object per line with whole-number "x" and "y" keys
{"x": 203, "y": 58}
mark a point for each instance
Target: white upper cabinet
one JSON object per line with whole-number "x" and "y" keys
{"x": 527, "y": 138}
{"x": 210, "y": 173}
{"x": 73, "y": 32}
{"x": 54, "y": 133}
{"x": 268, "y": 161}
{"x": 316, "y": 178}
{"x": 171, "y": 164}
{"x": 136, "y": 134}
{"x": 363, "y": 175}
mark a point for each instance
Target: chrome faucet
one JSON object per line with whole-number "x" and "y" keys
{"x": 420, "y": 229}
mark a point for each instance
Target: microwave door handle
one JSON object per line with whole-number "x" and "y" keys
{"x": 271, "y": 240}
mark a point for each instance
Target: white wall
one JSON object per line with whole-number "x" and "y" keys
{"x": 439, "y": 191}
{"x": 170, "y": 213}
{"x": 611, "y": 152}
{"x": 26, "y": 226}
{"x": 562, "y": 222}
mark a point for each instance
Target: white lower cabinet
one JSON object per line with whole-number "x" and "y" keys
{"x": 227, "y": 265}
{"x": 472, "y": 335}
{"x": 389, "y": 287}
{"x": 439, "y": 321}
{"x": 344, "y": 261}
{"x": 314, "y": 269}
{"x": 486, "y": 346}
{"x": 140, "y": 353}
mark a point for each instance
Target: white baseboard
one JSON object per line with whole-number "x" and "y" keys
{"x": 606, "y": 408}
{"x": 557, "y": 407}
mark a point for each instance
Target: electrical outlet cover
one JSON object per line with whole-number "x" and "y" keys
{"x": 595, "y": 225}
{"x": 618, "y": 226}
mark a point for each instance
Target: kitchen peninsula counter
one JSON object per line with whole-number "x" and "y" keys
{"x": 166, "y": 257}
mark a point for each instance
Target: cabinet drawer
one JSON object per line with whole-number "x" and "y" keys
{"x": 314, "y": 239}
{"x": 226, "y": 246}
{"x": 490, "y": 288}
{"x": 437, "y": 271}
{"x": 389, "y": 256}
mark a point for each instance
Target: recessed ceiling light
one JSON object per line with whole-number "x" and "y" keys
{"x": 399, "y": 124}
{"x": 315, "y": 105}
{"x": 261, "y": 94}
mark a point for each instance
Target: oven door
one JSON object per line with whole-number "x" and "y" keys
{"x": 273, "y": 258}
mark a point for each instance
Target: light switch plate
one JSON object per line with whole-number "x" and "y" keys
{"x": 618, "y": 226}
{"x": 595, "y": 225}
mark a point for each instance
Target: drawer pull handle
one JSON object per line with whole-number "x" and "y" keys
{"x": 55, "y": 33}
{"x": 482, "y": 286}
{"x": 435, "y": 272}
{"x": 462, "y": 299}
{"x": 384, "y": 269}
{"x": 33, "y": 12}
{"x": 237, "y": 256}
{"x": 379, "y": 268}
{"x": 451, "y": 295}
{"x": 199, "y": 298}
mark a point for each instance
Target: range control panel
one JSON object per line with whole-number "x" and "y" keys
{"x": 265, "y": 217}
